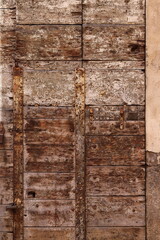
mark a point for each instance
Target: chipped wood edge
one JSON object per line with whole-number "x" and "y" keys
{"x": 80, "y": 175}
{"x": 18, "y": 152}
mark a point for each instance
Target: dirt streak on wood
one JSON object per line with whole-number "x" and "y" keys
{"x": 80, "y": 154}
{"x": 18, "y": 152}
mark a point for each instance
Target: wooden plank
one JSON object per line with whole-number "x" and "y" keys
{"x": 49, "y": 233}
{"x": 103, "y": 42}
{"x": 117, "y": 85}
{"x": 7, "y": 18}
{"x": 40, "y": 112}
{"x": 117, "y": 12}
{"x": 115, "y": 150}
{"x": 116, "y": 211}
{"x": 153, "y": 202}
{"x": 8, "y": 42}
{"x": 49, "y": 83}
{"x": 49, "y": 185}
{"x": 52, "y": 158}
{"x": 6, "y": 236}
{"x": 49, "y": 12}
{"x": 116, "y": 233}
{"x": 80, "y": 177}
{"x": 115, "y": 181}
{"x": 18, "y": 152}
{"x": 115, "y": 120}
{"x": 6, "y": 163}
{"x": 6, "y": 190}
{"x": 48, "y": 131}
{"x": 7, "y": 3}
{"x": 51, "y": 42}
{"x": 7, "y": 142}
{"x": 49, "y": 213}
{"x": 6, "y": 219}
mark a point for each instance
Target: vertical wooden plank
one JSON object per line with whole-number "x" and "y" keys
{"x": 80, "y": 154}
{"x": 152, "y": 118}
{"x": 18, "y": 152}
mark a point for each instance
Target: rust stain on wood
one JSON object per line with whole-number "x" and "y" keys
{"x": 18, "y": 151}
{"x": 80, "y": 154}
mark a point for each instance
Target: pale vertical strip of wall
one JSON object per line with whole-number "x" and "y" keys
{"x": 153, "y": 118}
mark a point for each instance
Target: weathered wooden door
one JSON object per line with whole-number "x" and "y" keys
{"x": 78, "y": 139}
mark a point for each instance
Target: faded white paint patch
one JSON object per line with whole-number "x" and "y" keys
{"x": 153, "y": 77}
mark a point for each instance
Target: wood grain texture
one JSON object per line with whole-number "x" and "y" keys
{"x": 102, "y": 42}
{"x": 6, "y": 163}
{"x": 116, "y": 211}
{"x": 115, "y": 181}
{"x": 48, "y": 131}
{"x": 6, "y": 189}
{"x": 115, "y": 150}
{"x": 41, "y": 112}
{"x": 80, "y": 170}
{"x": 7, "y": 4}
{"x": 115, "y": 120}
{"x": 6, "y": 236}
{"x": 117, "y": 12}
{"x": 50, "y": 42}
{"x": 49, "y": 233}
{"x": 49, "y": 213}
{"x": 49, "y": 12}
{"x": 52, "y": 158}
{"x": 114, "y": 84}
{"x": 116, "y": 233}
{"x": 49, "y": 185}
{"x": 49, "y": 83}
{"x": 6, "y": 219}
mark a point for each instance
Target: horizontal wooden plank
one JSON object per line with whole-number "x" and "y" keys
{"x": 49, "y": 83}
{"x": 117, "y": 12}
{"x": 115, "y": 150}
{"x": 7, "y": 18}
{"x": 49, "y": 213}
{"x": 49, "y": 12}
{"x": 40, "y": 112}
{"x": 115, "y": 181}
{"x": 49, "y": 185}
{"x": 8, "y": 42}
{"x": 153, "y": 202}
{"x": 49, "y": 233}
{"x": 102, "y": 42}
{"x": 116, "y": 233}
{"x": 116, "y": 211}
{"x": 53, "y": 158}
{"x": 48, "y": 131}
{"x": 6, "y": 219}
{"x": 114, "y": 86}
{"x": 115, "y": 120}
{"x": 6, "y": 190}
{"x": 7, "y": 142}
{"x": 52, "y": 42}
{"x": 7, "y": 3}
{"x": 6, "y": 236}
